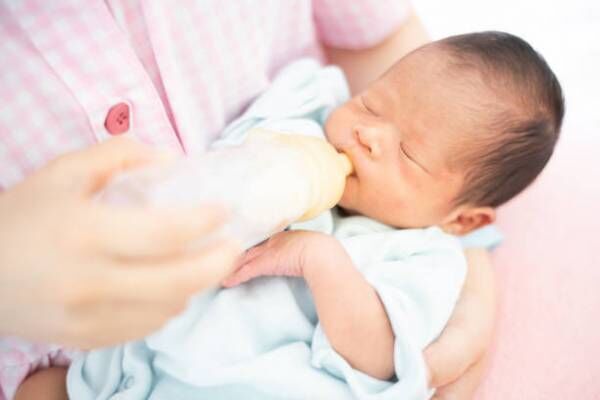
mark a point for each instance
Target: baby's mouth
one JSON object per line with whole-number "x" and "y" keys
{"x": 352, "y": 175}
{"x": 337, "y": 147}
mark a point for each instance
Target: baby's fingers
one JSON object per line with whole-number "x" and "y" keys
{"x": 244, "y": 274}
{"x": 253, "y": 253}
{"x": 258, "y": 266}
{"x": 246, "y": 268}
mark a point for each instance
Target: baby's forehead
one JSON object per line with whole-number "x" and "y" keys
{"x": 430, "y": 59}
{"x": 427, "y": 81}
{"x": 429, "y": 70}
{"x": 444, "y": 109}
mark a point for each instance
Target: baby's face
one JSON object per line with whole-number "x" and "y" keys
{"x": 400, "y": 134}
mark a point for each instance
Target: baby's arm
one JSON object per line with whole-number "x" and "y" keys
{"x": 350, "y": 311}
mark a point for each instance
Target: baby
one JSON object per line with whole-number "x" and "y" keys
{"x": 452, "y": 131}
{"x": 449, "y": 133}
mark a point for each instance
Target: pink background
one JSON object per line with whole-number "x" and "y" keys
{"x": 548, "y": 274}
{"x": 547, "y": 343}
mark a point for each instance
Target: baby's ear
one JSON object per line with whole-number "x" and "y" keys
{"x": 466, "y": 219}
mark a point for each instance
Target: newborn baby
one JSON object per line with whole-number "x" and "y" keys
{"x": 449, "y": 133}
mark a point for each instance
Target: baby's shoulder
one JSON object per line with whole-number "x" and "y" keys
{"x": 345, "y": 225}
{"x": 359, "y": 233}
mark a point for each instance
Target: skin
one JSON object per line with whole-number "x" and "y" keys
{"x": 397, "y": 137}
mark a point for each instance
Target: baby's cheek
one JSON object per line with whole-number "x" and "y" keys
{"x": 331, "y": 126}
{"x": 403, "y": 208}
{"x": 338, "y": 124}
{"x": 349, "y": 192}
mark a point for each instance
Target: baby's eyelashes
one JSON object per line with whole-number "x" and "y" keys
{"x": 403, "y": 151}
{"x": 411, "y": 158}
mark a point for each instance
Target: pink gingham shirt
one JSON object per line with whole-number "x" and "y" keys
{"x": 184, "y": 69}
{"x": 181, "y": 69}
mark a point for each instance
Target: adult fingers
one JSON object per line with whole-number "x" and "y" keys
{"x": 464, "y": 387}
{"x": 462, "y": 342}
{"x": 111, "y": 323}
{"x": 168, "y": 281}
{"x": 468, "y": 333}
{"x": 451, "y": 355}
{"x": 89, "y": 169}
{"x": 130, "y": 232}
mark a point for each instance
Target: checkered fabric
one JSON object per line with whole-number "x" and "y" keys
{"x": 184, "y": 68}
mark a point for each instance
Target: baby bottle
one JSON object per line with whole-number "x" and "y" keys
{"x": 269, "y": 181}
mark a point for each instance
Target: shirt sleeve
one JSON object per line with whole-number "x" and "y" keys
{"x": 358, "y": 24}
{"x": 418, "y": 290}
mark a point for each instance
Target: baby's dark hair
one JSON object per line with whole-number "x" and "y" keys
{"x": 522, "y": 118}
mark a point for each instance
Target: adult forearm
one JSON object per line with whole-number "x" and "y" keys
{"x": 363, "y": 66}
{"x": 469, "y": 329}
{"x": 351, "y": 313}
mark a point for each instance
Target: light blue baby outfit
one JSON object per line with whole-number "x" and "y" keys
{"x": 262, "y": 340}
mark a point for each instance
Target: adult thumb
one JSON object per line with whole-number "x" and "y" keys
{"x": 88, "y": 170}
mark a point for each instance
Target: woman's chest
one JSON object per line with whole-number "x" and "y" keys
{"x": 181, "y": 73}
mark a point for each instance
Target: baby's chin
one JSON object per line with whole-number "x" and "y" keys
{"x": 348, "y": 197}
{"x": 349, "y": 205}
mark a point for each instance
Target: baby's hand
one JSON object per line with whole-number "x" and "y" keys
{"x": 284, "y": 254}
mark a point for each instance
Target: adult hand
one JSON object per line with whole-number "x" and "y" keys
{"x": 84, "y": 274}
{"x": 456, "y": 359}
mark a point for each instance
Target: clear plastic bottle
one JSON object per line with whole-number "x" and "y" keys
{"x": 268, "y": 182}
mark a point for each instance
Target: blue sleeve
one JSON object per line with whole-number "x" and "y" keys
{"x": 418, "y": 275}
{"x": 488, "y": 237}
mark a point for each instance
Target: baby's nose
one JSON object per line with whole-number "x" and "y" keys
{"x": 370, "y": 138}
